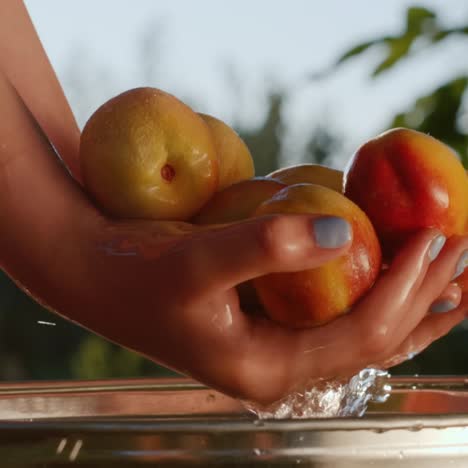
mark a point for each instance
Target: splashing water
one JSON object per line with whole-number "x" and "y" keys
{"x": 328, "y": 399}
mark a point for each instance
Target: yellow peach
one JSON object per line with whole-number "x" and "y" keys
{"x": 234, "y": 158}
{"x": 317, "y": 296}
{"x": 145, "y": 154}
{"x": 310, "y": 174}
{"x": 237, "y": 201}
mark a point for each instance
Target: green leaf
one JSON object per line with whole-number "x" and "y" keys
{"x": 356, "y": 50}
{"x": 397, "y": 48}
{"x": 417, "y": 19}
{"x": 442, "y": 34}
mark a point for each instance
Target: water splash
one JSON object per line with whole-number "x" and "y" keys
{"x": 43, "y": 322}
{"x": 75, "y": 450}
{"x": 329, "y": 399}
{"x": 61, "y": 446}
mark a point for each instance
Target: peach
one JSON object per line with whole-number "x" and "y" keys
{"x": 317, "y": 296}
{"x": 405, "y": 180}
{"x": 234, "y": 158}
{"x": 145, "y": 154}
{"x": 310, "y": 174}
{"x": 238, "y": 201}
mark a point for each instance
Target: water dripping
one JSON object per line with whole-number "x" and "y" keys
{"x": 327, "y": 399}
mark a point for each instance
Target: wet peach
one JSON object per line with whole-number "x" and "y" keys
{"x": 234, "y": 158}
{"x": 310, "y": 174}
{"x": 238, "y": 201}
{"x": 405, "y": 180}
{"x": 145, "y": 154}
{"x": 313, "y": 297}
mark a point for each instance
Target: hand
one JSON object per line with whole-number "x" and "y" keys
{"x": 173, "y": 298}
{"x": 168, "y": 291}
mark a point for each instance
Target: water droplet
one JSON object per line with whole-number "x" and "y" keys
{"x": 75, "y": 450}
{"x": 61, "y": 445}
{"x": 416, "y": 427}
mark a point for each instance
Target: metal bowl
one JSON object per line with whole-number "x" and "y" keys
{"x": 178, "y": 422}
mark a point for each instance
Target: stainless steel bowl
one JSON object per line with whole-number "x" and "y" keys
{"x": 178, "y": 422}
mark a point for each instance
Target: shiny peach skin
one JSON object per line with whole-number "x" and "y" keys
{"x": 145, "y": 154}
{"x": 234, "y": 158}
{"x": 238, "y": 201}
{"x": 405, "y": 180}
{"x": 314, "y": 297}
{"x": 310, "y": 174}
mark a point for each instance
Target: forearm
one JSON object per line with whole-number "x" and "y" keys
{"x": 43, "y": 212}
{"x": 25, "y": 63}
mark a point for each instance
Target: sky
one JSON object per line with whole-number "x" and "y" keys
{"x": 223, "y": 57}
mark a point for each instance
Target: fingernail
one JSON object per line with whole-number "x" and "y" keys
{"x": 436, "y": 247}
{"x": 461, "y": 265}
{"x": 331, "y": 232}
{"x": 440, "y": 307}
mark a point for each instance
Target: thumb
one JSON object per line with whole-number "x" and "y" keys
{"x": 228, "y": 256}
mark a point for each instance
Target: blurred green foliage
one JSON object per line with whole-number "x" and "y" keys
{"x": 36, "y": 344}
{"x": 439, "y": 112}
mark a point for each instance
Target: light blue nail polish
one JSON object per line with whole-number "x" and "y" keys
{"x": 461, "y": 265}
{"x": 436, "y": 247}
{"x": 440, "y": 307}
{"x": 331, "y": 232}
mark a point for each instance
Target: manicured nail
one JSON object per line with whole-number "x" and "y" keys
{"x": 436, "y": 247}
{"x": 440, "y": 307}
{"x": 461, "y": 265}
{"x": 331, "y": 232}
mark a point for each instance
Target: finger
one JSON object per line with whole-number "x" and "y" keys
{"x": 448, "y": 300}
{"x": 381, "y": 315}
{"x": 385, "y": 305}
{"x": 435, "y": 283}
{"x": 430, "y": 329}
{"x": 451, "y": 262}
{"x": 225, "y": 257}
{"x": 447, "y": 305}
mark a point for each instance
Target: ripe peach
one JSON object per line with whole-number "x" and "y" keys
{"x": 405, "y": 180}
{"x": 234, "y": 158}
{"x": 313, "y": 297}
{"x": 238, "y": 201}
{"x": 145, "y": 154}
{"x": 310, "y": 174}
